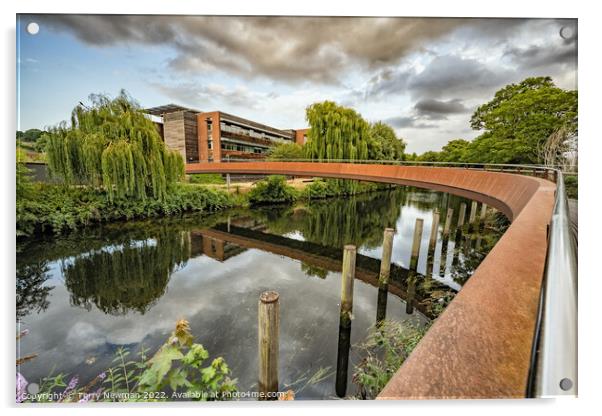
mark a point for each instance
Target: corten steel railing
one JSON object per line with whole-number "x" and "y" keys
{"x": 553, "y": 370}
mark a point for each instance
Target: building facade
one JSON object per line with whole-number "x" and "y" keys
{"x": 216, "y": 136}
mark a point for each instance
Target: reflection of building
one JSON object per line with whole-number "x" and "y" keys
{"x": 214, "y": 136}
{"x": 203, "y": 242}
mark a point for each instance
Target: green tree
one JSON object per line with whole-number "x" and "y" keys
{"x": 30, "y": 135}
{"x": 520, "y": 118}
{"x": 114, "y": 144}
{"x": 336, "y": 132}
{"x": 384, "y": 143}
{"x": 286, "y": 151}
{"x": 455, "y": 151}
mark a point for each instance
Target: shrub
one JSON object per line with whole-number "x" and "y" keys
{"x": 207, "y": 179}
{"x": 386, "y": 348}
{"x": 286, "y": 151}
{"x": 571, "y": 184}
{"x": 176, "y": 366}
{"x": 59, "y": 208}
{"x": 272, "y": 190}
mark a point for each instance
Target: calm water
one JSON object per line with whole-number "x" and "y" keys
{"x": 84, "y": 295}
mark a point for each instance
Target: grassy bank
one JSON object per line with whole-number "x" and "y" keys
{"x": 47, "y": 208}
{"x": 56, "y": 208}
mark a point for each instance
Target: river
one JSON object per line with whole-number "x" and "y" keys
{"x": 83, "y": 295}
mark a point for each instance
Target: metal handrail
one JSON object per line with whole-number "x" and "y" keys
{"x": 553, "y": 370}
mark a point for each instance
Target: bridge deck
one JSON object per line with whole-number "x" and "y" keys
{"x": 480, "y": 346}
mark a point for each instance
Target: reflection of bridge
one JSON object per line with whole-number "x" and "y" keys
{"x": 481, "y": 346}
{"x": 328, "y": 258}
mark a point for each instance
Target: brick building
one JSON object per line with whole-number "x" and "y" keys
{"x": 216, "y": 136}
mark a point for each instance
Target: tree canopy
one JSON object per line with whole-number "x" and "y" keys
{"x": 516, "y": 124}
{"x": 285, "y": 151}
{"x": 112, "y": 143}
{"x": 336, "y": 132}
{"x": 384, "y": 143}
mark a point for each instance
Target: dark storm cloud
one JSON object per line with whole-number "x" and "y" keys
{"x": 287, "y": 48}
{"x": 454, "y": 75}
{"x": 536, "y": 56}
{"x": 439, "y": 109}
{"x": 409, "y": 122}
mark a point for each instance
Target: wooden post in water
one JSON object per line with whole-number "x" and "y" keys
{"x": 385, "y": 262}
{"x": 482, "y": 217}
{"x": 472, "y": 216}
{"x": 414, "y": 265}
{"x": 347, "y": 278}
{"x": 434, "y": 230}
{"x": 459, "y": 229}
{"x": 448, "y": 220}
{"x": 268, "y": 328}
{"x": 383, "y": 277}
{"x": 432, "y": 244}
{"x": 445, "y": 239}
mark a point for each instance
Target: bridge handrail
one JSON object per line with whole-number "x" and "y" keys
{"x": 554, "y": 365}
{"x": 553, "y": 370}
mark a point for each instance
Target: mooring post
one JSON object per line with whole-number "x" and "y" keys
{"x": 385, "y": 262}
{"x": 448, "y": 220}
{"x": 482, "y": 217}
{"x": 347, "y": 278}
{"x": 434, "y": 229}
{"x": 228, "y": 182}
{"x": 383, "y": 277}
{"x": 414, "y": 265}
{"x": 445, "y": 238}
{"x": 472, "y": 216}
{"x": 432, "y": 244}
{"x": 268, "y": 328}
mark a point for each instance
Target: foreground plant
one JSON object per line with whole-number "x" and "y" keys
{"x": 385, "y": 349}
{"x": 175, "y": 371}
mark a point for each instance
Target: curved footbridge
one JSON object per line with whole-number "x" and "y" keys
{"x": 481, "y": 346}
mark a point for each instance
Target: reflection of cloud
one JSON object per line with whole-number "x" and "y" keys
{"x": 220, "y": 301}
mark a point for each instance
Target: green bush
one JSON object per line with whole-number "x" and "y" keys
{"x": 207, "y": 179}
{"x": 386, "y": 348}
{"x": 178, "y": 369}
{"x": 272, "y": 190}
{"x": 571, "y": 184}
{"x": 60, "y": 208}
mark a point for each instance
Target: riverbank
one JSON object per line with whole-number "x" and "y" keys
{"x": 44, "y": 208}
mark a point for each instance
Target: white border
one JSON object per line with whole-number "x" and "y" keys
{"x": 591, "y": 155}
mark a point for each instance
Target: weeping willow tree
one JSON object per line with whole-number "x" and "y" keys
{"x": 336, "y": 132}
{"x": 113, "y": 144}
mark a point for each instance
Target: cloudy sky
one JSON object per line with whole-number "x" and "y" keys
{"x": 424, "y": 76}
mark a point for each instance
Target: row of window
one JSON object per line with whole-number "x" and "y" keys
{"x": 243, "y": 148}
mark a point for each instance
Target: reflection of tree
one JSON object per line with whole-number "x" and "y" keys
{"x": 316, "y": 271}
{"x": 32, "y": 295}
{"x": 132, "y": 276}
{"x": 358, "y": 219}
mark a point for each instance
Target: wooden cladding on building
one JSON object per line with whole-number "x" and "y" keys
{"x": 180, "y": 133}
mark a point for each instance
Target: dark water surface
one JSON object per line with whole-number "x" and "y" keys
{"x": 84, "y": 295}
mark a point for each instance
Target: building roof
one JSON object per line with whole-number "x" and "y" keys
{"x": 168, "y": 108}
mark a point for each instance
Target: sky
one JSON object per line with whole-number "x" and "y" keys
{"x": 423, "y": 76}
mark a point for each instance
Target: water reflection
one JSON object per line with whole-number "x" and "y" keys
{"x": 85, "y": 294}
